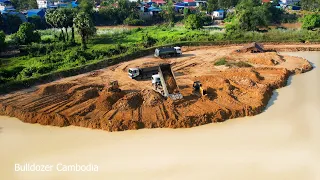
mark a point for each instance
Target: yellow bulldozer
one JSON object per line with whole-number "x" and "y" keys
{"x": 198, "y": 89}
{"x": 113, "y": 86}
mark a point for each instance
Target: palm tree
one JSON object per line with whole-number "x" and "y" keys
{"x": 56, "y": 19}
{"x": 85, "y": 27}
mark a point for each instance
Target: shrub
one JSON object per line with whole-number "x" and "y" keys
{"x": 241, "y": 64}
{"x": 206, "y": 20}
{"x": 311, "y": 21}
{"x": 27, "y": 72}
{"x": 133, "y": 22}
{"x": 37, "y": 49}
{"x": 11, "y": 72}
{"x": 148, "y": 41}
{"x": 193, "y": 21}
{"x": 27, "y": 35}
{"x": 220, "y": 62}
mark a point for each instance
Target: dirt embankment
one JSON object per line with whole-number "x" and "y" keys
{"x": 232, "y": 92}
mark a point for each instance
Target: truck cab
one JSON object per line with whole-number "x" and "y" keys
{"x": 133, "y": 72}
{"x": 178, "y": 50}
{"x": 156, "y": 79}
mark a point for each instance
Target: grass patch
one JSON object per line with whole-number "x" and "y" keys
{"x": 221, "y": 62}
{"x": 240, "y": 64}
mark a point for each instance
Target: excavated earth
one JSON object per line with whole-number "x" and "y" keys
{"x": 232, "y": 92}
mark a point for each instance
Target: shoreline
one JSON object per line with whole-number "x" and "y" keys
{"x": 171, "y": 111}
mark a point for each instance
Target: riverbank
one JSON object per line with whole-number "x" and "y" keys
{"x": 232, "y": 92}
{"x": 280, "y": 143}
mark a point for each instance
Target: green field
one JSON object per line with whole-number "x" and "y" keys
{"x": 52, "y": 55}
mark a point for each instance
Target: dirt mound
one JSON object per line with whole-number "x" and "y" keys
{"x": 152, "y": 98}
{"x": 55, "y": 88}
{"x": 85, "y": 94}
{"x": 76, "y": 88}
{"x": 84, "y": 101}
{"x": 107, "y": 99}
{"x": 129, "y": 102}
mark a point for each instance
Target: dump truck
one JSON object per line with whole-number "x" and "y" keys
{"x": 165, "y": 83}
{"x": 142, "y": 73}
{"x": 167, "y": 52}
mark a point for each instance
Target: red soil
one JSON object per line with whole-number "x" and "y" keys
{"x": 83, "y": 101}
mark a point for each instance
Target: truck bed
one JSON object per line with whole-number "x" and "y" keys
{"x": 168, "y": 81}
{"x": 149, "y": 69}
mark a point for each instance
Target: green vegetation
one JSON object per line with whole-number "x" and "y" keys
{"x": 85, "y": 27}
{"x": 25, "y": 4}
{"x": 221, "y": 62}
{"x": 39, "y": 59}
{"x": 311, "y": 21}
{"x": 311, "y": 5}
{"x": 193, "y": 21}
{"x": 27, "y": 34}
{"x": 2, "y": 40}
{"x": 240, "y": 64}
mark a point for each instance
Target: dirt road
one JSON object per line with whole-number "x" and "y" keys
{"x": 232, "y": 92}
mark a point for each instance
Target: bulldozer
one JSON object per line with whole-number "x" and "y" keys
{"x": 198, "y": 89}
{"x": 113, "y": 86}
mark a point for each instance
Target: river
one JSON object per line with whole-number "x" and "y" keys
{"x": 280, "y": 143}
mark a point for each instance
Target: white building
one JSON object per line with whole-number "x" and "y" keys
{"x": 289, "y": 2}
{"x": 44, "y": 3}
{"x": 219, "y": 14}
{"x": 6, "y": 5}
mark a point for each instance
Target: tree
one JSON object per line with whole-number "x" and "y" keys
{"x": 37, "y": 21}
{"x": 2, "y": 40}
{"x": 1, "y": 21}
{"x": 250, "y": 15}
{"x": 225, "y": 4}
{"x": 12, "y": 23}
{"x": 311, "y": 5}
{"x": 27, "y": 34}
{"x": 212, "y": 5}
{"x": 25, "y": 4}
{"x": 168, "y": 13}
{"x": 193, "y": 21}
{"x": 85, "y": 27}
{"x": 86, "y": 6}
{"x": 311, "y": 21}
{"x": 62, "y": 18}
{"x": 186, "y": 12}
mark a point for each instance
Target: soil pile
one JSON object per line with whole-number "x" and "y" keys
{"x": 107, "y": 99}
{"x": 129, "y": 102}
{"x": 85, "y": 101}
{"x": 55, "y": 88}
{"x": 152, "y": 98}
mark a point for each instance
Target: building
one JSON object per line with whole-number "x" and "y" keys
{"x": 289, "y": 2}
{"x": 266, "y": 1}
{"x": 6, "y": 5}
{"x": 44, "y": 3}
{"x": 36, "y": 12}
{"x": 218, "y": 14}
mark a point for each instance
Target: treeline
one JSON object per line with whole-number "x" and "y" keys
{"x": 24, "y": 4}
{"x": 310, "y": 5}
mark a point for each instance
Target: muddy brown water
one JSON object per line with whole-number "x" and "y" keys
{"x": 281, "y": 143}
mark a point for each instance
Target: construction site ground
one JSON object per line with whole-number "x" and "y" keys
{"x": 232, "y": 91}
